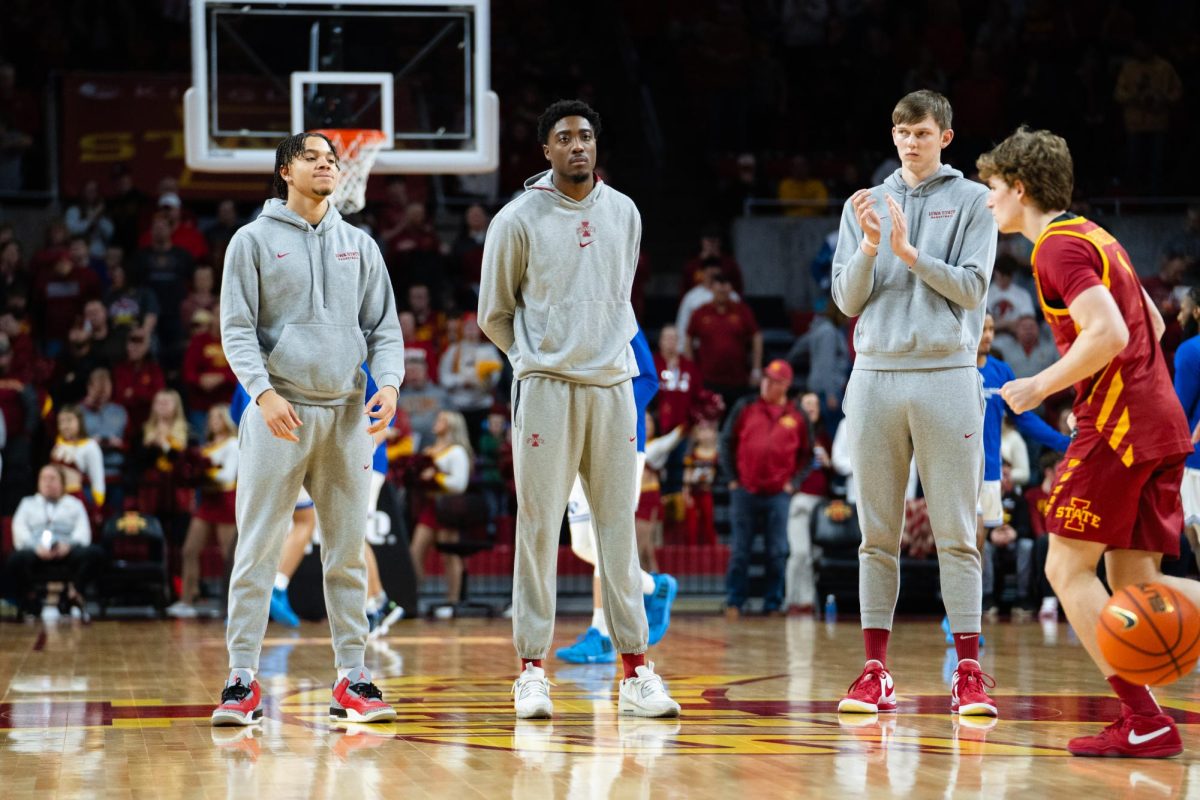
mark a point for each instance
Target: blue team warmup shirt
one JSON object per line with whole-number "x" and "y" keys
{"x": 645, "y": 384}
{"x": 1187, "y": 387}
{"x": 995, "y": 374}
{"x": 241, "y": 401}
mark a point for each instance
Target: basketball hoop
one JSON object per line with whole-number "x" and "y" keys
{"x": 356, "y": 149}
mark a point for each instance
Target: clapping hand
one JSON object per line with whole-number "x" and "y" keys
{"x": 899, "y": 235}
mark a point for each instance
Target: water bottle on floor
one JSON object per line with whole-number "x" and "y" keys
{"x": 830, "y": 608}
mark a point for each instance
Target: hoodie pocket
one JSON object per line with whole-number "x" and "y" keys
{"x": 592, "y": 334}
{"x": 323, "y": 359}
{"x": 903, "y": 321}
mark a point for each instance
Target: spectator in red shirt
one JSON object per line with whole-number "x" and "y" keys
{"x": 137, "y": 379}
{"x": 59, "y": 296}
{"x": 678, "y": 387}
{"x": 724, "y": 340}
{"x": 766, "y": 451}
{"x": 206, "y": 374}
{"x": 183, "y": 232}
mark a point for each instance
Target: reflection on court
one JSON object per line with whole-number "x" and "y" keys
{"x": 125, "y": 706}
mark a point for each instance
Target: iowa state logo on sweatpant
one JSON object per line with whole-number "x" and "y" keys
{"x": 534, "y": 440}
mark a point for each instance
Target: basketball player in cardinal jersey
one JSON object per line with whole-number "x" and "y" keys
{"x": 1117, "y": 491}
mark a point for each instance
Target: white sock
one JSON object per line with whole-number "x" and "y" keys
{"x": 598, "y": 621}
{"x": 281, "y": 581}
{"x": 246, "y": 669}
{"x": 647, "y": 583}
{"x": 1049, "y": 604}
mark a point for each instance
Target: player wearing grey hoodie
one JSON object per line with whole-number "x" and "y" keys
{"x": 558, "y": 267}
{"x": 913, "y": 262}
{"x": 305, "y": 299}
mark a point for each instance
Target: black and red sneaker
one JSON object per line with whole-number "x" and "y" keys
{"x": 1132, "y": 736}
{"x": 241, "y": 701}
{"x": 357, "y": 699}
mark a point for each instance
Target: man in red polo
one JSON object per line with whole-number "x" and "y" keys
{"x": 765, "y": 448}
{"x": 724, "y": 340}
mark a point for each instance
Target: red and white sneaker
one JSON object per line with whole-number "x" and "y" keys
{"x": 241, "y": 701}
{"x": 968, "y": 695}
{"x": 873, "y": 691}
{"x": 357, "y": 699}
{"x": 1132, "y": 736}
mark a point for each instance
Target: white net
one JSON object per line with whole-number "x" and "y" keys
{"x": 356, "y": 149}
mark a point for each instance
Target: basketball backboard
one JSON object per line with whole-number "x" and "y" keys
{"x": 419, "y": 71}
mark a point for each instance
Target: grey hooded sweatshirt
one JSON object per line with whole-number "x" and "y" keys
{"x": 929, "y": 316}
{"x": 302, "y": 307}
{"x": 557, "y": 275}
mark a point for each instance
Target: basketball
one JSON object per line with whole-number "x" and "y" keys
{"x": 1149, "y": 634}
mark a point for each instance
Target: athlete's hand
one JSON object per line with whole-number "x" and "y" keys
{"x": 899, "y": 236}
{"x": 381, "y": 408}
{"x": 867, "y": 216}
{"x": 1023, "y": 394}
{"x": 1196, "y": 434}
{"x": 279, "y": 415}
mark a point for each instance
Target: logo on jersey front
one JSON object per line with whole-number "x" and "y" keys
{"x": 349, "y": 255}
{"x": 1077, "y": 515}
{"x": 586, "y": 233}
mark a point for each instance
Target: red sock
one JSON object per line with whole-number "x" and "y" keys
{"x": 631, "y": 662}
{"x": 1138, "y": 698}
{"x": 537, "y": 662}
{"x": 967, "y": 646}
{"x": 876, "y": 640}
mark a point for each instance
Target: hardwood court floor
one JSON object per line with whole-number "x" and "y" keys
{"x": 120, "y": 709}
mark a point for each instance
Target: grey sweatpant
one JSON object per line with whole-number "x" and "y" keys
{"x": 560, "y": 429}
{"x": 333, "y": 462}
{"x": 938, "y": 415}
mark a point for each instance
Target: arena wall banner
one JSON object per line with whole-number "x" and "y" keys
{"x": 135, "y": 120}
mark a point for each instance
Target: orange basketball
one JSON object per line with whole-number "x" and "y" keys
{"x": 1150, "y": 634}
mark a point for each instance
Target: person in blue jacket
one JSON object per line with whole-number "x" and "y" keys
{"x": 1187, "y": 387}
{"x": 995, "y": 373}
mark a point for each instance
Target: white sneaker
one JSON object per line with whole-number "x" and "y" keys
{"x": 531, "y": 694}
{"x": 645, "y": 695}
{"x": 182, "y": 610}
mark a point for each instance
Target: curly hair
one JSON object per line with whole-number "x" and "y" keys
{"x": 286, "y": 152}
{"x": 1040, "y": 160}
{"x": 566, "y": 108}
